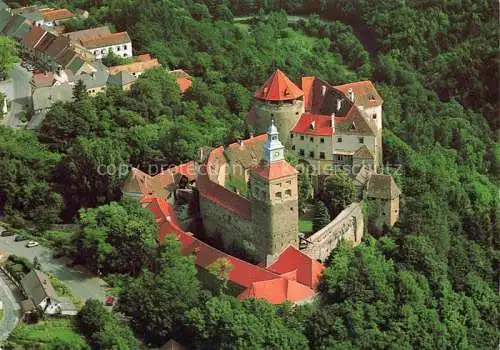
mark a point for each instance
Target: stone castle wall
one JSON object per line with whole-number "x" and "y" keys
{"x": 234, "y": 231}
{"x": 285, "y": 115}
{"x": 348, "y": 225}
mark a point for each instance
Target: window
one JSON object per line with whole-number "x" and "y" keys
{"x": 118, "y": 48}
{"x": 322, "y": 140}
{"x": 374, "y": 116}
{"x": 361, "y": 140}
{"x": 311, "y": 154}
{"x": 321, "y": 155}
{"x": 311, "y": 139}
{"x": 302, "y": 137}
{"x": 278, "y": 195}
{"x": 293, "y": 148}
{"x": 102, "y": 51}
{"x": 288, "y": 193}
{"x": 339, "y": 157}
{"x": 339, "y": 139}
{"x": 125, "y": 55}
{"x": 289, "y": 182}
{"x": 124, "y": 47}
{"x": 272, "y": 114}
{"x": 291, "y": 135}
{"x": 96, "y": 52}
{"x": 301, "y": 152}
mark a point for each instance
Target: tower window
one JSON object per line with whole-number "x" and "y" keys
{"x": 321, "y": 155}
{"x": 288, "y": 193}
{"x": 272, "y": 114}
{"x": 374, "y": 116}
{"x": 278, "y": 195}
{"x": 322, "y": 140}
{"x": 311, "y": 139}
{"x": 291, "y": 135}
{"x": 288, "y": 182}
{"x": 339, "y": 139}
{"x": 311, "y": 154}
{"x": 301, "y": 152}
{"x": 293, "y": 148}
{"x": 296, "y": 113}
{"x": 361, "y": 140}
{"x": 302, "y": 137}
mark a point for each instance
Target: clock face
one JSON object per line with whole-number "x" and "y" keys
{"x": 276, "y": 154}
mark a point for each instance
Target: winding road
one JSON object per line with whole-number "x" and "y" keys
{"x": 11, "y": 307}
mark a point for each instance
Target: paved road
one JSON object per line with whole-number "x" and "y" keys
{"x": 18, "y": 91}
{"x": 82, "y": 285}
{"x": 11, "y": 308}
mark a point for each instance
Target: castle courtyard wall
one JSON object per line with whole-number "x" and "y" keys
{"x": 348, "y": 225}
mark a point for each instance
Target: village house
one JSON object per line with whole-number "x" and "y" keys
{"x": 38, "y": 288}
{"x": 182, "y": 78}
{"x": 100, "y": 41}
{"x": 141, "y": 64}
{"x": 53, "y": 17}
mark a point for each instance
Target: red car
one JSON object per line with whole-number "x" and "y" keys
{"x": 110, "y": 300}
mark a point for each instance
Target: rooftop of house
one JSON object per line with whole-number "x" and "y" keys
{"x": 135, "y": 67}
{"x": 88, "y": 33}
{"x": 45, "y": 97}
{"x": 33, "y": 37}
{"x": 17, "y": 27}
{"x": 38, "y": 287}
{"x": 313, "y": 124}
{"x": 58, "y": 47}
{"x": 106, "y": 40}
{"x": 5, "y": 17}
{"x": 278, "y": 88}
{"x": 364, "y": 92}
{"x": 363, "y": 152}
{"x": 121, "y": 79}
{"x": 95, "y": 80}
{"x": 182, "y": 78}
{"x": 382, "y": 186}
{"x": 275, "y": 170}
{"x": 3, "y": 5}
{"x": 56, "y": 14}
{"x": 258, "y": 282}
{"x": 43, "y": 79}
{"x": 247, "y": 153}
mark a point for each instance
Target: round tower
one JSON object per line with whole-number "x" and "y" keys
{"x": 279, "y": 99}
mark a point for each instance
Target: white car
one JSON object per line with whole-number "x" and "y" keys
{"x": 32, "y": 244}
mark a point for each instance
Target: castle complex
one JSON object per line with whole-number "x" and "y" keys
{"x": 246, "y": 194}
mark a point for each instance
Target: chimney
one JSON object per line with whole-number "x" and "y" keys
{"x": 333, "y": 122}
{"x": 350, "y": 94}
{"x": 323, "y": 90}
{"x": 313, "y": 125}
{"x": 339, "y": 104}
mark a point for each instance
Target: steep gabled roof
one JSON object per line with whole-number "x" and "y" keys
{"x": 278, "y": 88}
{"x": 382, "y": 187}
{"x": 38, "y": 287}
{"x": 33, "y": 37}
{"x": 313, "y": 124}
{"x": 121, "y": 79}
{"x": 247, "y": 153}
{"x": 107, "y": 40}
{"x": 277, "y": 291}
{"x": 88, "y": 33}
{"x": 363, "y": 152}
{"x": 354, "y": 123}
{"x": 57, "y": 14}
{"x": 365, "y": 93}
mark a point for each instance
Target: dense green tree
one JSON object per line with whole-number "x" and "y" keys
{"x": 8, "y": 54}
{"x": 157, "y": 301}
{"x": 225, "y": 323}
{"x": 117, "y": 237}
{"x": 112, "y": 59}
{"x": 337, "y": 192}
{"x": 321, "y": 216}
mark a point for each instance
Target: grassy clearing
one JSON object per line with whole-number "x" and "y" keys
{"x": 305, "y": 226}
{"x": 57, "y": 333}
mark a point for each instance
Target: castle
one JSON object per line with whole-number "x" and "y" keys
{"x": 247, "y": 193}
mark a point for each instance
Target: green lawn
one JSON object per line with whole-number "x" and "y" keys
{"x": 305, "y": 226}
{"x": 47, "y": 335}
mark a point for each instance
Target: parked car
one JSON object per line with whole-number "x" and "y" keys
{"x": 20, "y": 238}
{"x": 7, "y": 233}
{"x": 110, "y": 300}
{"x": 32, "y": 244}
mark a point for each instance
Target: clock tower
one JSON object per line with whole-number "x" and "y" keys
{"x": 274, "y": 197}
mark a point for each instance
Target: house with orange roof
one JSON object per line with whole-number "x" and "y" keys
{"x": 136, "y": 68}
{"x": 183, "y": 79}
{"x": 53, "y": 17}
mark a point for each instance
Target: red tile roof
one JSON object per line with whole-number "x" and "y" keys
{"x": 313, "y": 124}
{"x": 307, "y": 87}
{"x": 184, "y": 83}
{"x": 135, "y": 67}
{"x": 55, "y": 15}
{"x": 33, "y": 37}
{"x": 275, "y": 170}
{"x": 258, "y": 281}
{"x": 296, "y": 265}
{"x": 365, "y": 93}
{"x": 278, "y": 88}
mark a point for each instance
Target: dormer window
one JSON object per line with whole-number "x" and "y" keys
{"x": 353, "y": 126}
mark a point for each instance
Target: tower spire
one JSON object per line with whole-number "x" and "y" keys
{"x": 273, "y": 148}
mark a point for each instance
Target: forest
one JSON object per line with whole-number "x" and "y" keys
{"x": 430, "y": 282}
